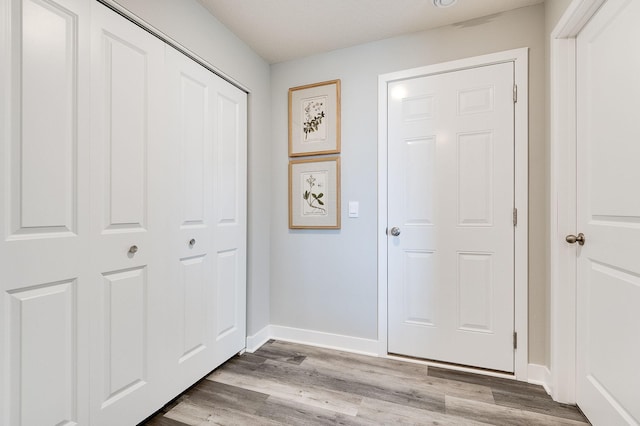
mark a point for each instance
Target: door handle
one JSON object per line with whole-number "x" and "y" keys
{"x": 395, "y": 231}
{"x": 572, "y": 239}
{"x": 192, "y": 242}
{"x": 133, "y": 249}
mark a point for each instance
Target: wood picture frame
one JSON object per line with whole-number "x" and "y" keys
{"x": 314, "y": 119}
{"x": 314, "y": 193}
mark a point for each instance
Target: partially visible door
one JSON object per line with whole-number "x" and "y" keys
{"x": 451, "y": 200}
{"x": 127, "y": 228}
{"x": 608, "y": 209}
{"x": 44, "y": 218}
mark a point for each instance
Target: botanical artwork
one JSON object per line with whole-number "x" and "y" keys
{"x": 314, "y": 126}
{"x": 314, "y": 119}
{"x": 313, "y": 198}
{"x": 314, "y": 193}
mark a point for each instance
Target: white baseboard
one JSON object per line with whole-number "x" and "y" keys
{"x": 313, "y": 338}
{"x": 540, "y": 375}
{"x": 260, "y": 338}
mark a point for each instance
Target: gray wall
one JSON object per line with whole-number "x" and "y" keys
{"x": 188, "y": 23}
{"x": 326, "y": 280}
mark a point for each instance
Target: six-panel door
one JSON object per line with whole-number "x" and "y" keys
{"x": 451, "y": 194}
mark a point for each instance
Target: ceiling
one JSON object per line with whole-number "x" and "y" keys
{"x": 281, "y": 30}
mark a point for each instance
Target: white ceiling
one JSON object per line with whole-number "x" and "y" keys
{"x": 281, "y": 30}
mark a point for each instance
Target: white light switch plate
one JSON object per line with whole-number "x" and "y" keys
{"x": 353, "y": 208}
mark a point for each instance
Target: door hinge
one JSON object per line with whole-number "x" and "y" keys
{"x": 515, "y": 340}
{"x": 515, "y": 216}
{"x": 515, "y": 93}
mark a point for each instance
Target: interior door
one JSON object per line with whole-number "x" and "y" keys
{"x": 44, "y": 221}
{"x": 127, "y": 230}
{"x": 608, "y": 209}
{"x": 450, "y": 223}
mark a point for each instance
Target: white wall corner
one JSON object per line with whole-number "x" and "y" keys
{"x": 325, "y": 340}
{"x": 540, "y": 375}
{"x": 260, "y": 338}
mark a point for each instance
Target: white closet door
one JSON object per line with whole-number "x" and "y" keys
{"x": 43, "y": 212}
{"x": 129, "y": 276}
{"x": 207, "y": 119}
{"x": 229, "y": 220}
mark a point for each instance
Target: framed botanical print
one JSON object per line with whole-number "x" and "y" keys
{"x": 314, "y": 119}
{"x": 314, "y": 193}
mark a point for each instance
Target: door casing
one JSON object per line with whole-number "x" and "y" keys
{"x": 563, "y": 201}
{"x": 520, "y": 59}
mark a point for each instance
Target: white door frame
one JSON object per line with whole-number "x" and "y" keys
{"x": 520, "y": 59}
{"x": 564, "y": 198}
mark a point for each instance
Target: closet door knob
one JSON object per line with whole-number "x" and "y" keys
{"x": 133, "y": 249}
{"x": 192, "y": 242}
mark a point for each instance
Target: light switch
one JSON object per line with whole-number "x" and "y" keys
{"x": 353, "y": 208}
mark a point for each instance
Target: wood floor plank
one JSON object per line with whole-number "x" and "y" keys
{"x": 338, "y": 369}
{"x": 160, "y": 420}
{"x": 212, "y": 395}
{"x": 387, "y": 413}
{"x": 366, "y": 364}
{"x": 495, "y": 383}
{"x": 197, "y": 415}
{"x": 502, "y": 416}
{"x": 537, "y": 405}
{"x": 276, "y": 352}
{"x": 339, "y": 402}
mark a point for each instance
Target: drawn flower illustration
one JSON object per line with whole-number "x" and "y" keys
{"x": 313, "y": 199}
{"x": 313, "y": 115}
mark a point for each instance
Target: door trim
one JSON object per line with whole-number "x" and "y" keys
{"x": 563, "y": 151}
{"x": 520, "y": 59}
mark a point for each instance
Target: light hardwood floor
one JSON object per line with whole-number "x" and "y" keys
{"x": 290, "y": 384}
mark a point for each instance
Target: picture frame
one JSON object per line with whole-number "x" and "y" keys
{"x": 314, "y": 119}
{"x": 314, "y": 193}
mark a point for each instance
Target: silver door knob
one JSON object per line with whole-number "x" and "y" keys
{"x": 133, "y": 249}
{"x": 192, "y": 242}
{"x": 395, "y": 231}
{"x": 572, "y": 239}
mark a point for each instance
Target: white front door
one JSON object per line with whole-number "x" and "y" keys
{"x": 608, "y": 209}
{"x": 451, "y": 198}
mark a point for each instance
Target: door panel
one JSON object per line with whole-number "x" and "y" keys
{"x": 127, "y": 236}
{"x": 608, "y": 212}
{"x": 230, "y": 217}
{"x": 126, "y": 105}
{"x": 44, "y": 274}
{"x": 125, "y": 332}
{"x": 451, "y": 192}
{"x": 190, "y": 225}
{"x": 45, "y": 350}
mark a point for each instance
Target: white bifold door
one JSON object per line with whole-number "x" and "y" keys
{"x": 450, "y": 217}
{"x": 207, "y": 134}
{"x": 123, "y": 218}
